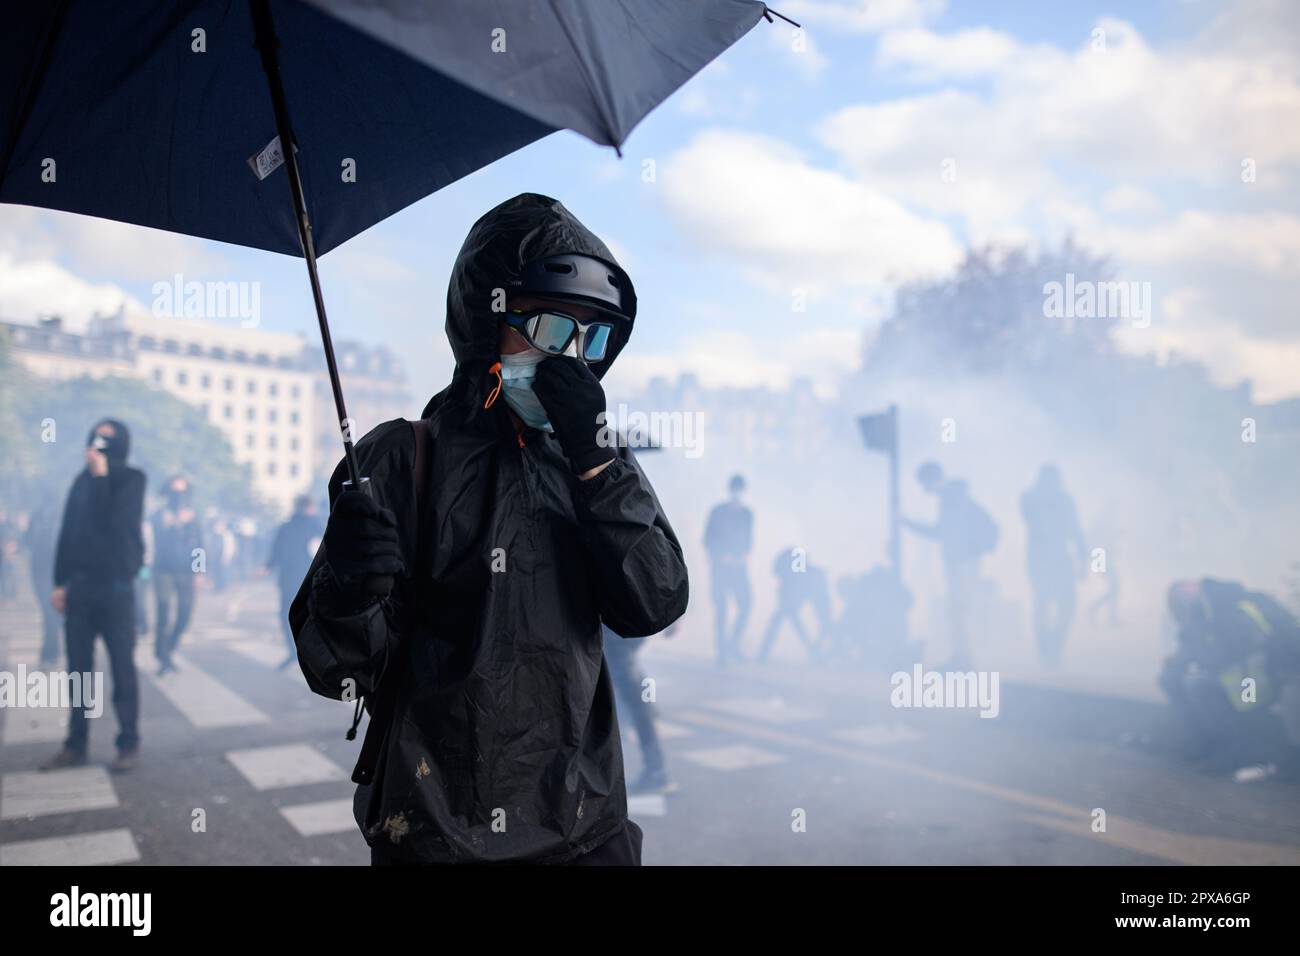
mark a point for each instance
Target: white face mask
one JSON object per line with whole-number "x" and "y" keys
{"x": 517, "y": 373}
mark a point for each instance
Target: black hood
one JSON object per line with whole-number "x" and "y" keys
{"x": 504, "y": 240}
{"x": 119, "y": 446}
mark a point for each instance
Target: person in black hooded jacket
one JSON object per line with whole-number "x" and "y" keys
{"x": 99, "y": 552}
{"x": 468, "y": 612}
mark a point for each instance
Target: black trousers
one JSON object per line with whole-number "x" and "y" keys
{"x": 622, "y": 849}
{"x": 104, "y": 609}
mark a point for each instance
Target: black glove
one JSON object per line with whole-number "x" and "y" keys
{"x": 361, "y": 546}
{"x": 572, "y": 397}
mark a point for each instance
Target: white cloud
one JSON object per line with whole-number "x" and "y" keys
{"x": 1127, "y": 199}
{"x": 1135, "y": 151}
{"x": 966, "y": 53}
{"x": 35, "y": 287}
{"x": 862, "y": 16}
{"x": 94, "y": 246}
{"x": 759, "y": 201}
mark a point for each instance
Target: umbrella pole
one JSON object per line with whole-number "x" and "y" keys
{"x": 268, "y": 47}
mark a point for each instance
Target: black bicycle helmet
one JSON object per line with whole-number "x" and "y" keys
{"x": 580, "y": 278}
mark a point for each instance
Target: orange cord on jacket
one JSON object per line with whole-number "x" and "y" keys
{"x": 492, "y": 396}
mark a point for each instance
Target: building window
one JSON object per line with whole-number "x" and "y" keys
{"x": 271, "y": 415}
{"x": 205, "y": 381}
{"x": 293, "y": 443}
{"x": 273, "y": 389}
{"x": 293, "y": 471}
{"x": 270, "y": 468}
{"x": 157, "y": 375}
{"x": 251, "y": 413}
{"x": 295, "y": 391}
{"x": 229, "y": 384}
{"x": 182, "y": 378}
{"x": 228, "y": 411}
{"x": 248, "y": 440}
{"x": 271, "y": 442}
{"x": 251, "y": 387}
{"x": 293, "y": 418}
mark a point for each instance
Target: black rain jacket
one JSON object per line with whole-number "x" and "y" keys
{"x": 101, "y": 537}
{"x": 503, "y": 743}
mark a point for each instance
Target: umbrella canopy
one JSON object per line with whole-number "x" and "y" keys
{"x": 177, "y": 114}
{"x": 148, "y": 111}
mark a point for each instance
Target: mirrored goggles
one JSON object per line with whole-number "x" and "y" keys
{"x": 554, "y": 332}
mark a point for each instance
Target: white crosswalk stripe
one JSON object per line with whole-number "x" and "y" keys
{"x": 35, "y": 794}
{"x": 102, "y": 848}
{"x": 292, "y": 765}
{"x": 737, "y": 757}
{"x": 877, "y": 735}
{"x": 204, "y": 700}
{"x": 272, "y": 656}
{"x": 317, "y": 819}
{"x": 770, "y": 710}
{"x": 647, "y": 805}
{"x": 33, "y": 725}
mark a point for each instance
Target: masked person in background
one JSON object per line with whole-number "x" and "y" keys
{"x": 99, "y": 552}
{"x": 177, "y": 536}
{"x": 465, "y": 598}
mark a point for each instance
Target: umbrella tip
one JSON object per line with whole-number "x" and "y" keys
{"x": 768, "y": 13}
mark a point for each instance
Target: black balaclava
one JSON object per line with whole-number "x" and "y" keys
{"x": 117, "y": 447}
{"x": 177, "y": 498}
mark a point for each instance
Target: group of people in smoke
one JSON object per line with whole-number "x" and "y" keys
{"x": 872, "y": 626}
{"x": 1235, "y": 673}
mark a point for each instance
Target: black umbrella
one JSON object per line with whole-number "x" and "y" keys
{"x": 155, "y": 112}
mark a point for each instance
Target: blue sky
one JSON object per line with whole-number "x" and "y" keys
{"x": 819, "y": 170}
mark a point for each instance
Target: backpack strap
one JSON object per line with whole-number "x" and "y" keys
{"x": 420, "y": 475}
{"x": 381, "y": 709}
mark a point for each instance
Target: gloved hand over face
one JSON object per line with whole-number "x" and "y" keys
{"x": 361, "y": 545}
{"x": 573, "y": 398}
